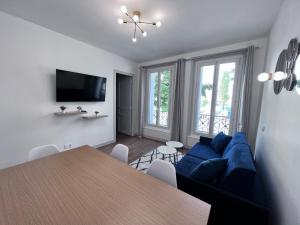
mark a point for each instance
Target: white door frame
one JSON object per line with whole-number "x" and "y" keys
{"x": 115, "y": 101}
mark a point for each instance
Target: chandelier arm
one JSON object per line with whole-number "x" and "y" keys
{"x": 134, "y": 35}
{"x": 139, "y": 27}
{"x": 136, "y": 23}
{"x": 143, "y": 22}
{"x": 130, "y": 18}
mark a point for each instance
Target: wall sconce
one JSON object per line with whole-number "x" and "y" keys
{"x": 277, "y": 76}
{"x": 286, "y": 74}
{"x": 263, "y": 77}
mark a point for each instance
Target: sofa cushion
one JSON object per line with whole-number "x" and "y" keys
{"x": 203, "y": 152}
{"x": 209, "y": 170}
{"x": 238, "y": 139}
{"x": 220, "y": 142}
{"x": 240, "y": 172}
{"x": 187, "y": 164}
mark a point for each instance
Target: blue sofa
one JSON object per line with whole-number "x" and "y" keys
{"x": 233, "y": 195}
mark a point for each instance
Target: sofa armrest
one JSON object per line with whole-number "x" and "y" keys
{"x": 201, "y": 190}
{"x": 205, "y": 140}
{"x": 224, "y": 205}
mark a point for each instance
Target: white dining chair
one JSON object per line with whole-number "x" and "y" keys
{"x": 163, "y": 171}
{"x": 42, "y": 151}
{"x": 120, "y": 152}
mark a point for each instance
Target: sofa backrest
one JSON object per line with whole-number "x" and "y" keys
{"x": 240, "y": 173}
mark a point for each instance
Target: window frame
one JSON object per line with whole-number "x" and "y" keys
{"x": 216, "y": 62}
{"x": 159, "y": 71}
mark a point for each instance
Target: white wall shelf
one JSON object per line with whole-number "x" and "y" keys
{"x": 69, "y": 113}
{"x": 91, "y": 117}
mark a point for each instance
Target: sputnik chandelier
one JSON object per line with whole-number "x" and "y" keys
{"x": 135, "y": 19}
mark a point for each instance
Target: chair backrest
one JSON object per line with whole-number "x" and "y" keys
{"x": 163, "y": 171}
{"x": 120, "y": 152}
{"x": 42, "y": 151}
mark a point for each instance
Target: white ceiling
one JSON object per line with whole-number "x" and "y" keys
{"x": 188, "y": 25}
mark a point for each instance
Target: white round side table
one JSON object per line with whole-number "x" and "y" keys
{"x": 175, "y": 144}
{"x": 167, "y": 150}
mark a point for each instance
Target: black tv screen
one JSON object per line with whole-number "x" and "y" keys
{"x": 77, "y": 87}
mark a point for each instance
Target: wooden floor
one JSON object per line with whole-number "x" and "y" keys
{"x": 137, "y": 146}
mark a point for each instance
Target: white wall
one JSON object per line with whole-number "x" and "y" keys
{"x": 29, "y": 55}
{"x": 259, "y": 63}
{"x": 278, "y": 149}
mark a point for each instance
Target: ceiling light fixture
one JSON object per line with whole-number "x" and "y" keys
{"x": 135, "y": 19}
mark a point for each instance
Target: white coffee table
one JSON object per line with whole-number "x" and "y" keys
{"x": 167, "y": 150}
{"x": 175, "y": 144}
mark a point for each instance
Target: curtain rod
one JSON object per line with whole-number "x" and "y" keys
{"x": 204, "y": 57}
{"x": 158, "y": 65}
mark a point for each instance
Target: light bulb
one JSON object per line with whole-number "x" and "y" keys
{"x": 120, "y": 21}
{"x": 144, "y": 33}
{"x": 124, "y": 9}
{"x": 278, "y": 76}
{"x": 134, "y": 40}
{"x": 158, "y": 24}
{"x": 264, "y": 77}
{"x": 135, "y": 18}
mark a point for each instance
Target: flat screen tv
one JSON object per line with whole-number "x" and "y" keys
{"x": 77, "y": 87}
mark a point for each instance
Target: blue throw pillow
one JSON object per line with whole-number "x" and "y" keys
{"x": 220, "y": 142}
{"x": 209, "y": 170}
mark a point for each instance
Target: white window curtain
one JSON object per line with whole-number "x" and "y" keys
{"x": 177, "y": 123}
{"x": 142, "y": 91}
{"x": 246, "y": 92}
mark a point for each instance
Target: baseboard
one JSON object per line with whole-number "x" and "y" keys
{"x": 163, "y": 140}
{"x": 154, "y": 138}
{"x": 105, "y": 143}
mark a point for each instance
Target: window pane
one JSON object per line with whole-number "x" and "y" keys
{"x": 153, "y": 91}
{"x": 206, "y": 80}
{"x": 223, "y": 108}
{"x": 164, "y": 97}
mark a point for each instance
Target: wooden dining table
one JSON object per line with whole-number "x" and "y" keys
{"x": 86, "y": 186}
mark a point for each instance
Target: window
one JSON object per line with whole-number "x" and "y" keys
{"x": 158, "y": 103}
{"x": 216, "y": 88}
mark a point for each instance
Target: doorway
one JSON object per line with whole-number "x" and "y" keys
{"x": 124, "y": 87}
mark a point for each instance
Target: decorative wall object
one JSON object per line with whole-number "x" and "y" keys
{"x": 280, "y": 66}
{"x": 297, "y": 73}
{"x": 287, "y": 71}
{"x": 63, "y": 108}
{"x": 292, "y": 54}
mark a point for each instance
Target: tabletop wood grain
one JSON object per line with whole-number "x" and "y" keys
{"x": 86, "y": 186}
